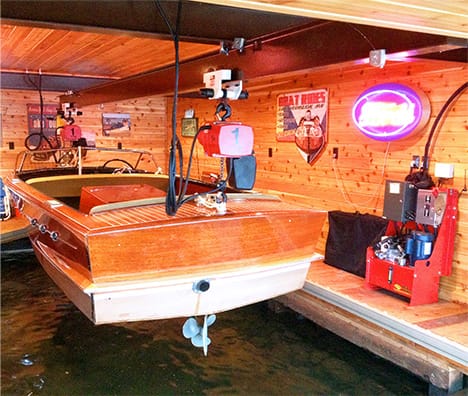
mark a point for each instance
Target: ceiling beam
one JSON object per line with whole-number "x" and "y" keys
{"x": 200, "y": 22}
{"x": 304, "y": 49}
{"x": 49, "y": 82}
{"x": 432, "y": 17}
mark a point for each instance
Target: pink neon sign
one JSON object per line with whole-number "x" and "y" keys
{"x": 390, "y": 111}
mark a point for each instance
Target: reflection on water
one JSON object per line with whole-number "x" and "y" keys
{"x": 50, "y": 348}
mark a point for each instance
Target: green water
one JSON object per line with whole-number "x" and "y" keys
{"x": 50, "y": 348}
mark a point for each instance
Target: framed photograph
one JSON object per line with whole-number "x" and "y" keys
{"x": 189, "y": 126}
{"x": 115, "y": 124}
{"x": 49, "y": 113}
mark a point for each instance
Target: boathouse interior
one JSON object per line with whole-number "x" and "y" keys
{"x": 119, "y": 58}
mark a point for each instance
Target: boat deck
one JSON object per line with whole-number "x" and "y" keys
{"x": 429, "y": 340}
{"x": 146, "y": 211}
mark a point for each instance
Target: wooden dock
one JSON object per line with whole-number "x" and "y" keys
{"x": 430, "y": 340}
{"x": 13, "y": 229}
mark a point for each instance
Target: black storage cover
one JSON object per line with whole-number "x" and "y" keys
{"x": 349, "y": 236}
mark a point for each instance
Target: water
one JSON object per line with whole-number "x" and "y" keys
{"x": 50, "y": 348}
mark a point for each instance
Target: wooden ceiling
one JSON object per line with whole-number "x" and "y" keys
{"x": 116, "y": 39}
{"x": 448, "y": 18}
{"x": 88, "y": 54}
{"x": 83, "y": 44}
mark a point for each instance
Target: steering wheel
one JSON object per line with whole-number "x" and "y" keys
{"x": 127, "y": 164}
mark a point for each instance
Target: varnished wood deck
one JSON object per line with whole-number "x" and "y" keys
{"x": 429, "y": 340}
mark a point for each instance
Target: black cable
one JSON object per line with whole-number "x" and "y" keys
{"x": 185, "y": 180}
{"x": 38, "y": 87}
{"x": 171, "y": 198}
{"x": 362, "y": 35}
{"x": 41, "y": 101}
{"x": 174, "y": 200}
{"x": 221, "y": 185}
{"x": 442, "y": 111}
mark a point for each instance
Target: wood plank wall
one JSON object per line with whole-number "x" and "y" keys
{"x": 148, "y": 124}
{"x": 353, "y": 183}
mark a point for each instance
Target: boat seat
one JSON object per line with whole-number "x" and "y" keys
{"x": 127, "y": 204}
{"x": 109, "y": 197}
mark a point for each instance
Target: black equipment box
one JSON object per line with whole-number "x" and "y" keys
{"x": 400, "y": 201}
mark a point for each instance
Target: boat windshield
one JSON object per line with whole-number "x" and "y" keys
{"x": 81, "y": 159}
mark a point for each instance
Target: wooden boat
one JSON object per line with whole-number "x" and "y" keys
{"x": 101, "y": 232}
{"x": 13, "y": 227}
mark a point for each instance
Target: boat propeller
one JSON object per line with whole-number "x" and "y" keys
{"x": 197, "y": 333}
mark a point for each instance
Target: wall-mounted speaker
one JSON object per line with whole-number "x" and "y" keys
{"x": 243, "y": 172}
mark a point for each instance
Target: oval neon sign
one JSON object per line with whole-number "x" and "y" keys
{"x": 390, "y": 111}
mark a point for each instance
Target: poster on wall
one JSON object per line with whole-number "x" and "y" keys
{"x": 302, "y": 119}
{"x": 116, "y": 124}
{"x": 49, "y": 113}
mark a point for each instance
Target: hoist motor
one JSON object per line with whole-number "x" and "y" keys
{"x": 226, "y": 139}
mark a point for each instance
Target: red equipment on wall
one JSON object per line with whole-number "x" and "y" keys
{"x": 418, "y": 280}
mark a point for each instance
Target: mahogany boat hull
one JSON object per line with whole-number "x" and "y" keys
{"x": 126, "y": 259}
{"x": 175, "y": 296}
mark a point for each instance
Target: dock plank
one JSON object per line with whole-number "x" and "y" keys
{"x": 443, "y": 314}
{"x": 443, "y": 325}
{"x": 14, "y": 229}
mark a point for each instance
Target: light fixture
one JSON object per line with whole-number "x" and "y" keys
{"x": 226, "y": 46}
{"x": 238, "y": 44}
{"x": 377, "y": 58}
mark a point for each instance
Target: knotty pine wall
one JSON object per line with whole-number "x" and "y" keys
{"x": 355, "y": 182}
{"x": 148, "y": 124}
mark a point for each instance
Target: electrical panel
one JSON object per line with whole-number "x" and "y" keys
{"x": 400, "y": 201}
{"x": 430, "y": 207}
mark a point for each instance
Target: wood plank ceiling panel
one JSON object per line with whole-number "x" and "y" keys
{"x": 448, "y": 18}
{"x": 63, "y": 42}
{"x": 77, "y": 53}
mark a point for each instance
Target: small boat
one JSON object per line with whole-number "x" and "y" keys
{"x": 99, "y": 227}
{"x": 13, "y": 227}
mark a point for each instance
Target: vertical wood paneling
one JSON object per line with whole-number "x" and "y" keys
{"x": 354, "y": 182}
{"x": 148, "y": 124}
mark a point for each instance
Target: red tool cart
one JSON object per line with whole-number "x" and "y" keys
{"x": 418, "y": 279}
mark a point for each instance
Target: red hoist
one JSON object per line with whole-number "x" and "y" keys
{"x": 227, "y": 139}
{"x": 223, "y": 138}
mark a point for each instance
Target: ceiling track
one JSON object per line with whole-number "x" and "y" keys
{"x": 294, "y": 51}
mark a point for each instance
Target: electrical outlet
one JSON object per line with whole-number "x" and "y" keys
{"x": 443, "y": 171}
{"x": 335, "y": 153}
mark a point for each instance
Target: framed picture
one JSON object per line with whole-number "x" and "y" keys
{"x": 115, "y": 124}
{"x": 189, "y": 126}
{"x": 302, "y": 118}
{"x": 49, "y": 113}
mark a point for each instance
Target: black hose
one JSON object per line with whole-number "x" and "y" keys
{"x": 442, "y": 111}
